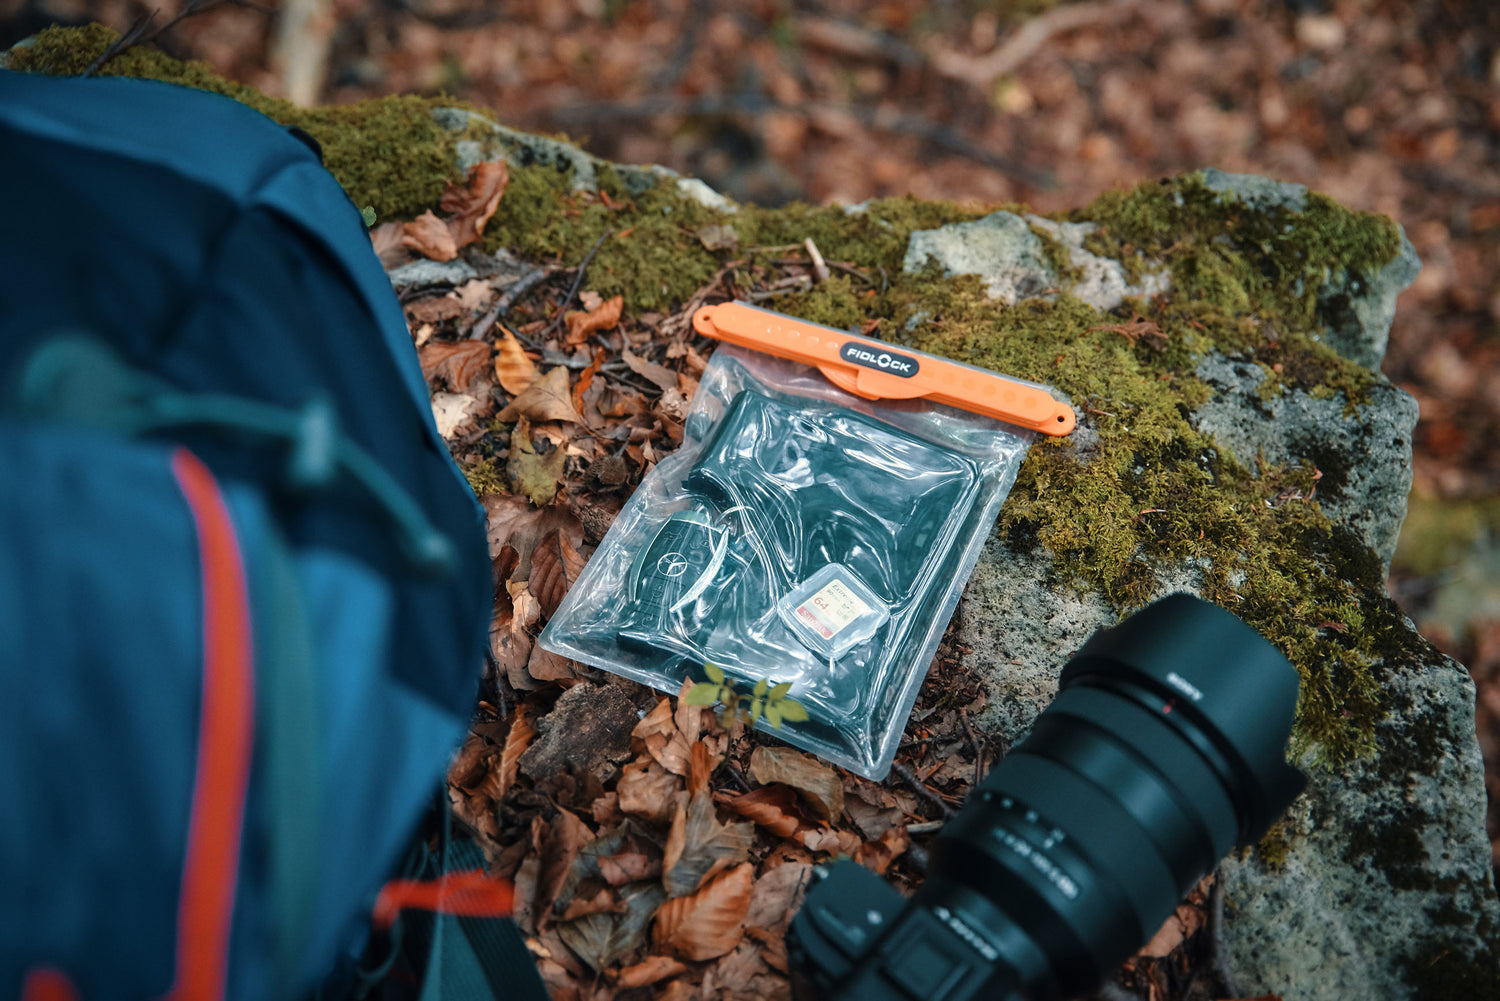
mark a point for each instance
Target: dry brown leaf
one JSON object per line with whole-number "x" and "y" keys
{"x": 603, "y": 902}
{"x": 473, "y": 204}
{"x": 878, "y": 855}
{"x": 429, "y": 236}
{"x": 818, "y": 784}
{"x": 773, "y": 807}
{"x": 555, "y": 565}
{"x": 516, "y": 741}
{"x": 513, "y": 367}
{"x": 564, "y": 838}
{"x": 514, "y": 522}
{"x": 586, "y": 379}
{"x": 830, "y": 840}
{"x": 659, "y": 374}
{"x": 455, "y": 362}
{"x": 658, "y": 734}
{"x": 526, "y": 608}
{"x": 475, "y": 294}
{"x": 628, "y": 867}
{"x": 546, "y": 399}
{"x": 650, "y": 970}
{"x": 648, "y": 790}
{"x": 471, "y": 765}
{"x": 544, "y": 665}
{"x": 582, "y": 325}
{"x": 699, "y": 846}
{"x": 709, "y": 923}
{"x": 700, "y": 768}
{"x": 386, "y": 241}
{"x": 1179, "y": 925}
{"x": 691, "y": 720}
{"x": 778, "y": 895}
{"x": 511, "y": 649}
{"x": 451, "y": 411}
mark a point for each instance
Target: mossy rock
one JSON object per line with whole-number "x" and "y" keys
{"x": 1234, "y": 440}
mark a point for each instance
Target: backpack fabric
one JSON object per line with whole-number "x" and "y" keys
{"x": 243, "y": 587}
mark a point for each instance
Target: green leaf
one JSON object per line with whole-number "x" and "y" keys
{"x": 779, "y": 692}
{"x": 755, "y": 709}
{"x": 701, "y": 695}
{"x": 760, "y": 687}
{"x": 773, "y": 714}
{"x": 727, "y": 695}
{"x": 714, "y": 672}
{"x": 368, "y": 215}
{"x": 793, "y": 711}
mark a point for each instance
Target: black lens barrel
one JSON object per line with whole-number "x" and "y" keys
{"x": 1164, "y": 748}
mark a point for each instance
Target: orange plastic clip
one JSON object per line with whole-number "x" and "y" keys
{"x": 876, "y": 370}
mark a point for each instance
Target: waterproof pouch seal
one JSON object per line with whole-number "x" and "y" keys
{"x": 801, "y": 535}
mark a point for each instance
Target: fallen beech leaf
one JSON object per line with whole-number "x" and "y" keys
{"x": 386, "y": 241}
{"x": 878, "y": 855}
{"x": 700, "y": 769}
{"x": 649, "y": 971}
{"x": 628, "y": 867}
{"x": 586, "y": 378}
{"x": 451, "y": 411}
{"x": 511, "y": 649}
{"x": 581, "y": 325}
{"x": 524, "y": 605}
{"x": 1179, "y": 925}
{"x": 455, "y": 362}
{"x": 513, "y": 367}
{"x": 699, "y": 846}
{"x": 546, "y": 399}
{"x": 691, "y": 720}
{"x": 818, "y": 784}
{"x": 709, "y": 923}
{"x": 602, "y": 902}
{"x": 778, "y": 895}
{"x": 475, "y": 294}
{"x": 471, "y": 765}
{"x": 564, "y": 838}
{"x": 831, "y": 840}
{"x": 429, "y": 236}
{"x": 544, "y": 665}
{"x": 516, "y": 741}
{"x": 659, "y": 374}
{"x": 646, "y": 789}
{"x": 773, "y": 807}
{"x": 555, "y": 565}
{"x": 513, "y": 521}
{"x": 658, "y": 734}
{"x": 533, "y": 474}
{"x": 473, "y": 204}
{"x": 601, "y": 940}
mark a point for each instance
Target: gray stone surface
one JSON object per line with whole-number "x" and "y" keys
{"x": 1007, "y": 251}
{"x": 1388, "y": 864}
{"x": 1365, "y": 458}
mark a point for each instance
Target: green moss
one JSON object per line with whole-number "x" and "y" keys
{"x": 1274, "y": 847}
{"x": 486, "y": 477}
{"x": 388, "y": 154}
{"x": 1058, "y": 257}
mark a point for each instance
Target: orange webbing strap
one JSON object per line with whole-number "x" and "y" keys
{"x": 469, "y": 894}
{"x": 875, "y": 370}
{"x": 46, "y": 984}
{"x": 225, "y": 736}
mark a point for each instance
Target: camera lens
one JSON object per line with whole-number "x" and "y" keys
{"x": 1164, "y": 748}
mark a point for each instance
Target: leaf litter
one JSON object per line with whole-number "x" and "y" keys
{"x": 671, "y": 856}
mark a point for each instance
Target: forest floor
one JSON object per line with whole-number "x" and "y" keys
{"x": 1387, "y": 105}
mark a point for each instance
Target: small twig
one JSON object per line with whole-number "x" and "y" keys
{"x": 562, "y": 307}
{"x": 920, "y": 788}
{"x": 963, "y": 717}
{"x": 518, "y": 288}
{"x": 820, "y": 267}
{"x": 141, "y": 30}
{"x": 926, "y": 827}
{"x": 1216, "y": 936}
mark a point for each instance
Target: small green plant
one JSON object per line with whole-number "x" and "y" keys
{"x": 765, "y": 699}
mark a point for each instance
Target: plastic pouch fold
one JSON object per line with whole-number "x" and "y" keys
{"x": 800, "y": 535}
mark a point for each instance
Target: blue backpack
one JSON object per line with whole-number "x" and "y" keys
{"x": 243, "y": 587}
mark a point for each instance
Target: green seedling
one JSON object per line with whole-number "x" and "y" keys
{"x": 765, "y": 700}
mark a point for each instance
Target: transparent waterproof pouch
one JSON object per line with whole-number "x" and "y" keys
{"x": 801, "y": 534}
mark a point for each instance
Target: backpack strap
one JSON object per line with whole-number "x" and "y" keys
{"x": 225, "y": 738}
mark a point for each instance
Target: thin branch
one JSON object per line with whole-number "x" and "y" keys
{"x": 142, "y": 31}
{"x": 920, "y": 788}
{"x": 513, "y": 292}
{"x": 562, "y": 307}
